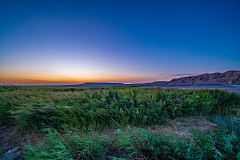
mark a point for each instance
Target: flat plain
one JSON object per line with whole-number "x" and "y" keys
{"x": 226, "y": 87}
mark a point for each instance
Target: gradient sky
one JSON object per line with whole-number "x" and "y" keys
{"x": 70, "y": 42}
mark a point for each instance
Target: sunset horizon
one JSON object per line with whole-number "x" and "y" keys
{"x": 61, "y": 42}
{"x": 119, "y": 79}
{"x": 34, "y": 80}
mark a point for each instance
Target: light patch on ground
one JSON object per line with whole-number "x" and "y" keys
{"x": 183, "y": 126}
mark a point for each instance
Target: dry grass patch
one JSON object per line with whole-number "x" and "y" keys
{"x": 183, "y": 126}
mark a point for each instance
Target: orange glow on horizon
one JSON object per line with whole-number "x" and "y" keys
{"x": 43, "y": 78}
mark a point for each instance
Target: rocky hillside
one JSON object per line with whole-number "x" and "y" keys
{"x": 229, "y": 77}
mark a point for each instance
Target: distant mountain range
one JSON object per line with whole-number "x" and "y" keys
{"x": 229, "y": 77}
{"x": 93, "y": 84}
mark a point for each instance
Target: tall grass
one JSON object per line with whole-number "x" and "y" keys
{"x": 137, "y": 143}
{"x": 78, "y": 116}
{"x": 135, "y": 107}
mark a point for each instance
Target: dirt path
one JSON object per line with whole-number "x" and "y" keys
{"x": 12, "y": 141}
{"x": 10, "y": 147}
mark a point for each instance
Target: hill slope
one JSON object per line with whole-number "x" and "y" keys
{"x": 229, "y": 77}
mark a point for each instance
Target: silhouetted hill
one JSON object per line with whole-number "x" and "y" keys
{"x": 93, "y": 84}
{"x": 229, "y": 77}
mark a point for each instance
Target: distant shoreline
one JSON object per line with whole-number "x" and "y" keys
{"x": 229, "y": 87}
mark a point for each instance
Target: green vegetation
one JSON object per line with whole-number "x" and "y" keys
{"x": 120, "y": 122}
{"x": 137, "y": 142}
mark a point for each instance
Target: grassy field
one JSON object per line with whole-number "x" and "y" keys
{"x": 121, "y": 123}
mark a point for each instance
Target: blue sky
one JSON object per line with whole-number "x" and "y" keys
{"x": 69, "y": 42}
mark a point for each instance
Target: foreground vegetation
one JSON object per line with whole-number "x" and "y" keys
{"x": 120, "y": 122}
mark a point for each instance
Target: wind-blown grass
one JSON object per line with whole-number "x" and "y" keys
{"x": 136, "y": 107}
{"x": 137, "y": 143}
{"x": 77, "y": 117}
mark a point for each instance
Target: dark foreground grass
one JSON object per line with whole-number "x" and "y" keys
{"x": 77, "y": 117}
{"x": 135, "y": 143}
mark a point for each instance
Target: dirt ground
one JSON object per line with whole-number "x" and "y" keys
{"x": 12, "y": 141}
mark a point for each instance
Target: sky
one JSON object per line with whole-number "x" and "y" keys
{"x": 128, "y": 41}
